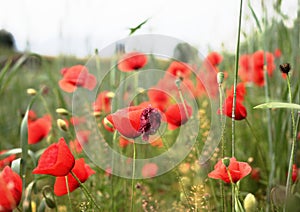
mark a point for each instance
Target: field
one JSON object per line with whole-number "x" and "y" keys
{"x": 139, "y": 128}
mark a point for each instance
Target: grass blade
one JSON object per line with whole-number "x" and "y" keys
{"x": 273, "y": 105}
{"x": 254, "y": 16}
{"x": 24, "y": 143}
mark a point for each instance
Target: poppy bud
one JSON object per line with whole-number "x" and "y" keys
{"x": 107, "y": 123}
{"x": 62, "y": 125}
{"x": 31, "y": 91}
{"x": 62, "y": 111}
{"x": 49, "y": 197}
{"x": 250, "y": 203}
{"x": 96, "y": 114}
{"x": 178, "y": 82}
{"x": 141, "y": 90}
{"x": 220, "y": 77}
{"x": 226, "y": 161}
{"x": 110, "y": 94}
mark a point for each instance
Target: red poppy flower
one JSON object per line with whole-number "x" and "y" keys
{"x": 294, "y": 173}
{"x": 149, "y": 170}
{"x": 176, "y": 115}
{"x": 83, "y": 136}
{"x": 124, "y": 142}
{"x": 252, "y": 67}
{"x": 77, "y": 76}
{"x": 82, "y": 172}
{"x": 103, "y": 102}
{"x": 6, "y": 161}
{"x": 240, "y": 91}
{"x": 134, "y": 121}
{"x": 255, "y": 174}
{"x": 258, "y": 61}
{"x": 157, "y": 142}
{"x": 179, "y": 69}
{"x": 238, "y": 170}
{"x": 108, "y": 172}
{"x": 77, "y": 120}
{"x": 132, "y": 61}
{"x": 57, "y": 160}
{"x": 240, "y": 110}
{"x": 277, "y": 53}
{"x": 214, "y": 58}
{"x": 38, "y": 128}
{"x": 207, "y": 74}
{"x": 245, "y": 68}
{"x": 158, "y": 98}
{"x": 75, "y": 146}
{"x": 10, "y": 189}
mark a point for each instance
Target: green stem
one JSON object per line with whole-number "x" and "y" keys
{"x": 294, "y": 134}
{"x": 112, "y": 176}
{"x": 232, "y": 190}
{"x": 183, "y": 102}
{"x": 89, "y": 195}
{"x": 133, "y": 176}
{"x": 237, "y": 53}
{"x": 68, "y": 190}
{"x": 221, "y": 120}
{"x": 222, "y": 145}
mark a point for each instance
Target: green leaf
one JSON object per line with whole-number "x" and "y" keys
{"x": 4, "y": 70}
{"x": 254, "y": 16}
{"x": 24, "y": 141}
{"x": 18, "y": 151}
{"x": 16, "y": 165}
{"x": 271, "y": 105}
{"x": 11, "y": 72}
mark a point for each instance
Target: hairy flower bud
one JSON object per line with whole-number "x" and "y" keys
{"x": 250, "y": 203}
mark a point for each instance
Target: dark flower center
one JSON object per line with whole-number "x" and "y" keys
{"x": 150, "y": 122}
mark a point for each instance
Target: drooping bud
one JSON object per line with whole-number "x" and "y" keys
{"x": 62, "y": 125}
{"x": 49, "y": 197}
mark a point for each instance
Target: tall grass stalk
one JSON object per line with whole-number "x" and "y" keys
{"x": 237, "y": 53}
{"x": 293, "y": 147}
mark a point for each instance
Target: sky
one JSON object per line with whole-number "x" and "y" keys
{"x": 77, "y": 27}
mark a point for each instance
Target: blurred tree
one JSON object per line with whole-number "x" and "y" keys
{"x": 7, "y": 40}
{"x": 185, "y": 53}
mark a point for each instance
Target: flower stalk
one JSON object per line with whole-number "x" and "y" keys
{"x": 86, "y": 191}
{"x": 293, "y": 147}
